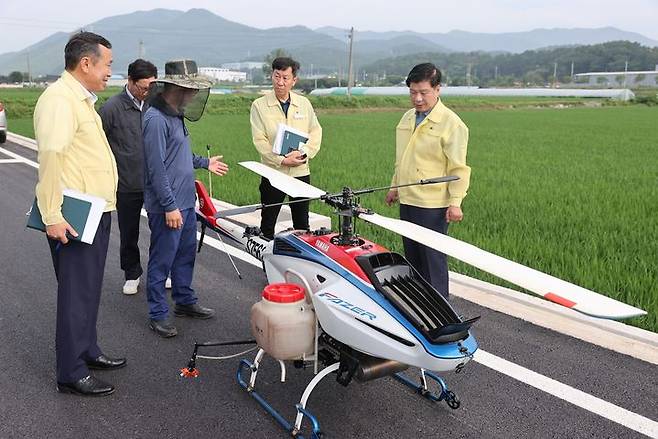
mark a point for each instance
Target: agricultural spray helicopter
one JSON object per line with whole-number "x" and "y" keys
{"x": 372, "y": 314}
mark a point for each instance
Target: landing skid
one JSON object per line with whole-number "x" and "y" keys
{"x": 293, "y": 429}
{"x": 423, "y": 389}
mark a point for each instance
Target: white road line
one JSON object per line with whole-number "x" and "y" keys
{"x": 22, "y": 140}
{"x": 548, "y": 385}
{"x": 19, "y": 158}
{"x": 227, "y": 248}
{"x": 567, "y": 393}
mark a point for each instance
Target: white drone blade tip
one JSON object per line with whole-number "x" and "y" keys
{"x": 285, "y": 183}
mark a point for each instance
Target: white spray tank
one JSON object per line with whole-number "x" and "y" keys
{"x": 283, "y": 323}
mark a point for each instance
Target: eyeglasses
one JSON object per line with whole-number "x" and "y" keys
{"x": 142, "y": 88}
{"x": 142, "y": 85}
{"x": 284, "y": 78}
{"x": 421, "y": 92}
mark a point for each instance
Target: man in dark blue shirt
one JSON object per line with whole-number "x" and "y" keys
{"x": 169, "y": 193}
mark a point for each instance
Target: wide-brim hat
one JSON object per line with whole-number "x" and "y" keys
{"x": 184, "y": 73}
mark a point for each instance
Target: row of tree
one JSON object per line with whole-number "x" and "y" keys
{"x": 14, "y": 78}
{"x": 533, "y": 67}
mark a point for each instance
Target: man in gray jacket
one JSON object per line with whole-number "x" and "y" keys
{"x": 122, "y": 123}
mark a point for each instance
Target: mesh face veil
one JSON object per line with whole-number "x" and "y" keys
{"x": 187, "y": 102}
{"x": 182, "y": 91}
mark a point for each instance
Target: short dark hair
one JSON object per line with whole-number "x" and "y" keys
{"x": 83, "y": 44}
{"x": 282, "y": 63}
{"x": 141, "y": 69}
{"x": 424, "y": 72}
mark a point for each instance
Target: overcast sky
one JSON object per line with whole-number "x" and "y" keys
{"x": 26, "y": 22}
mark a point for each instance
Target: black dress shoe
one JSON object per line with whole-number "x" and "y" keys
{"x": 164, "y": 328}
{"x": 87, "y": 386}
{"x": 195, "y": 311}
{"x": 106, "y": 363}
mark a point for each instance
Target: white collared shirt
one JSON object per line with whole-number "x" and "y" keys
{"x": 139, "y": 104}
{"x": 91, "y": 97}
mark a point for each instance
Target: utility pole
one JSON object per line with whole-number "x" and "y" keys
{"x": 496, "y": 73}
{"x": 625, "y": 72}
{"x": 571, "y": 71}
{"x": 29, "y": 69}
{"x": 554, "y": 74}
{"x": 349, "y": 70}
{"x": 468, "y": 75}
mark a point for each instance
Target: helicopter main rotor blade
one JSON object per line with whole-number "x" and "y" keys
{"x": 434, "y": 180}
{"x": 254, "y": 207}
{"x": 238, "y": 210}
{"x": 286, "y": 184}
{"x": 554, "y": 289}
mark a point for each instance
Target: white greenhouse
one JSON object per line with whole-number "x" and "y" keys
{"x": 622, "y": 94}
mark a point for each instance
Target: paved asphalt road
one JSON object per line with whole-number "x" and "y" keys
{"x": 152, "y": 401}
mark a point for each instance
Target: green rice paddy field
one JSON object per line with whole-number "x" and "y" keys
{"x": 569, "y": 191}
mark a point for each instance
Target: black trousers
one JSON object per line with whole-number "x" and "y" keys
{"x": 271, "y": 195}
{"x": 431, "y": 264}
{"x": 129, "y": 207}
{"x": 79, "y": 270}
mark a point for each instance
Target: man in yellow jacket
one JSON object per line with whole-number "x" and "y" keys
{"x": 73, "y": 153}
{"x": 267, "y": 112}
{"x": 431, "y": 141}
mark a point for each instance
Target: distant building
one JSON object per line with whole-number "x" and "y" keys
{"x": 222, "y": 74}
{"x": 647, "y": 78}
{"x": 117, "y": 81}
{"x": 243, "y": 66}
{"x": 612, "y": 93}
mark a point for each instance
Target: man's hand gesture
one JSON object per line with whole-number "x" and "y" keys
{"x": 217, "y": 166}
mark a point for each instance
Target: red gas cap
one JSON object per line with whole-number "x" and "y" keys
{"x": 283, "y": 293}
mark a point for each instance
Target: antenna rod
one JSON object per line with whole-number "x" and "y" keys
{"x": 230, "y": 258}
{"x": 209, "y": 173}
